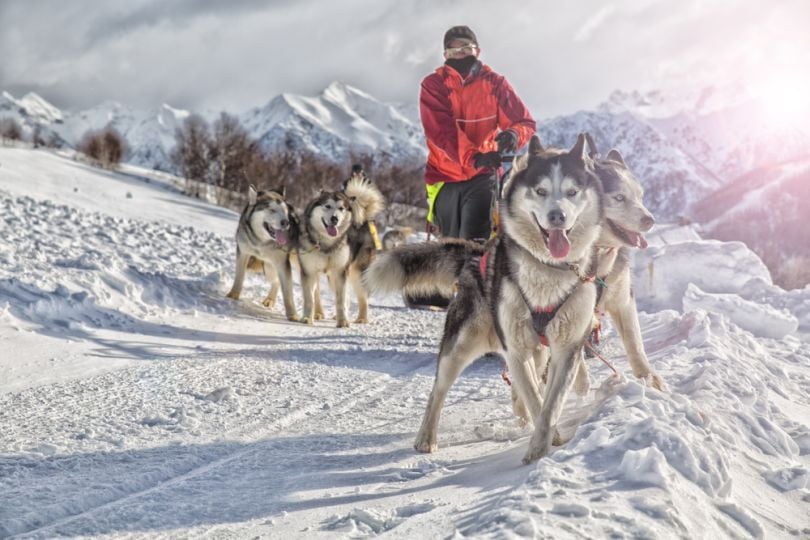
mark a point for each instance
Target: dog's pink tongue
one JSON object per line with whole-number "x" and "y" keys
{"x": 281, "y": 237}
{"x": 558, "y": 243}
{"x": 331, "y": 230}
{"x": 638, "y": 239}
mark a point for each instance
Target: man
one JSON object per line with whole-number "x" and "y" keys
{"x": 470, "y": 115}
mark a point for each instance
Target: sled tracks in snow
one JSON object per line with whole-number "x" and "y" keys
{"x": 317, "y": 418}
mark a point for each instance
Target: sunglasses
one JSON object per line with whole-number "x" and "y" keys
{"x": 466, "y": 49}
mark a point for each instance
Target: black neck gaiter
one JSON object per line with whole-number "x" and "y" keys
{"x": 462, "y": 65}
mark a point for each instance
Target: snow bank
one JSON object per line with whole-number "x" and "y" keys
{"x": 662, "y": 274}
{"x": 144, "y": 403}
{"x": 731, "y": 279}
{"x": 644, "y": 459}
{"x": 759, "y": 319}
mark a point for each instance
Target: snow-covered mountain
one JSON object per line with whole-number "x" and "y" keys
{"x": 337, "y": 123}
{"x": 340, "y": 121}
{"x": 29, "y": 110}
{"x": 673, "y": 180}
{"x": 683, "y": 147}
{"x": 768, "y": 209}
{"x": 728, "y": 130}
{"x": 149, "y": 134}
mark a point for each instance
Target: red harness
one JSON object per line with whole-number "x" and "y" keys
{"x": 541, "y": 316}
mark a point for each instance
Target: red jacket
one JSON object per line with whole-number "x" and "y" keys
{"x": 461, "y": 118}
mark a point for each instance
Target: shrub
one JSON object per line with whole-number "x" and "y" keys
{"x": 10, "y": 129}
{"x": 105, "y": 148}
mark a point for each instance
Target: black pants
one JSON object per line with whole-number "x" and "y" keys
{"x": 461, "y": 209}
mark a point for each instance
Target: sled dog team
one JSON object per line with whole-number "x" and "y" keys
{"x": 335, "y": 236}
{"x": 533, "y": 293}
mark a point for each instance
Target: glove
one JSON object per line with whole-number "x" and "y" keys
{"x": 489, "y": 160}
{"x": 507, "y": 141}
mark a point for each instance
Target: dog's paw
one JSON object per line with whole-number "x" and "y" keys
{"x": 343, "y": 323}
{"x": 582, "y": 383}
{"x": 361, "y": 320}
{"x": 424, "y": 446}
{"x": 539, "y": 446}
{"x": 520, "y": 410}
{"x": 233, "y": 295}
{"x": 294, "y": 317}
{"x": 269, "y": 302}
{"x": 559, "y": 440}
{"x": 653, "y": 380}
{"x": 319, "y": 316}
{"x": 305, "y": 320}
{"x": 534, "y": 454}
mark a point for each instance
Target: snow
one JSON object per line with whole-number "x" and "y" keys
{"x": 136, "y": 400}
{"x": 761, "y": 319}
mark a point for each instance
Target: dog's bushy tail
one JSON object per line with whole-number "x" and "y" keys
{"x": 426, "y": 268}
{"x": 366, "y": 199}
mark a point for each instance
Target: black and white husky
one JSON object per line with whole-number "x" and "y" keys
{"x": 268, "y": 231}
{"x": 626, "y": 219}
{"x": 332, "y": 243}
{"x": 533, "y": 282}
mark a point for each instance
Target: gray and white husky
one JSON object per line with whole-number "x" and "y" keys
{"x": 332, "y": 242}
{"x": 268, "y": 231}
{"x": 532, "y": 282}
{"x": 625, "y": 220}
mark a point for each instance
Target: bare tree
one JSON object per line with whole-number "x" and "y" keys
{"x": 37, "y": 138}
{"x": 106, "y": 148}
{"x": 10, "y": 129}
{"x": 232, "y": 150}
{"x": 192, "y": 152}
{"x": 114, "y": 147}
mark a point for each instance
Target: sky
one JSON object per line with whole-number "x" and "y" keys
{"x": 234, "y": 55}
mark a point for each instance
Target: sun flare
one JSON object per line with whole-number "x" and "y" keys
{"x": 785, "y": 97}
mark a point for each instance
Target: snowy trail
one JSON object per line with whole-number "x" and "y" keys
{"x": 349, "y": 419}
{"x": 137, "y": 401}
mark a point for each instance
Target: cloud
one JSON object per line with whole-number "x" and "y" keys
{"x": 593, "y": 23}
{"x": 207, "y": 54}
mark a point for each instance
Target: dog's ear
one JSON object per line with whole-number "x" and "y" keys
{"x": 535, "y": 146}
{"x": 614, "y": 155}
{"x": 593, "y": 153}
{"x": 292, "y": 215}
{"x": 578, "y": 151}
{"x": 252, "y": 194}
{"x": 281, "y": 190}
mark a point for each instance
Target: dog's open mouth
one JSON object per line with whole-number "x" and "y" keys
{"x": 279, "y": 235}
{"x": 331, "y": 230}
{"x": 556, "y": 240}
{"x": 630, "y": 238}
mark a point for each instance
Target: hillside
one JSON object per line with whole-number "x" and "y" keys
{"x": 136, "y": 400}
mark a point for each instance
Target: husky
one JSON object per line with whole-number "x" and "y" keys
{"x": 625, "y": 220}
{"x": 364, "y": 241}
{"x": 332, "y": 241}
{"x": 532, "y": 282}
{"x": 396, "y": 236}
{"x": 268, "y": 231}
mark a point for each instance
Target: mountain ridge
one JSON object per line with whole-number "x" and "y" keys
{"x": 681, "y": 147}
